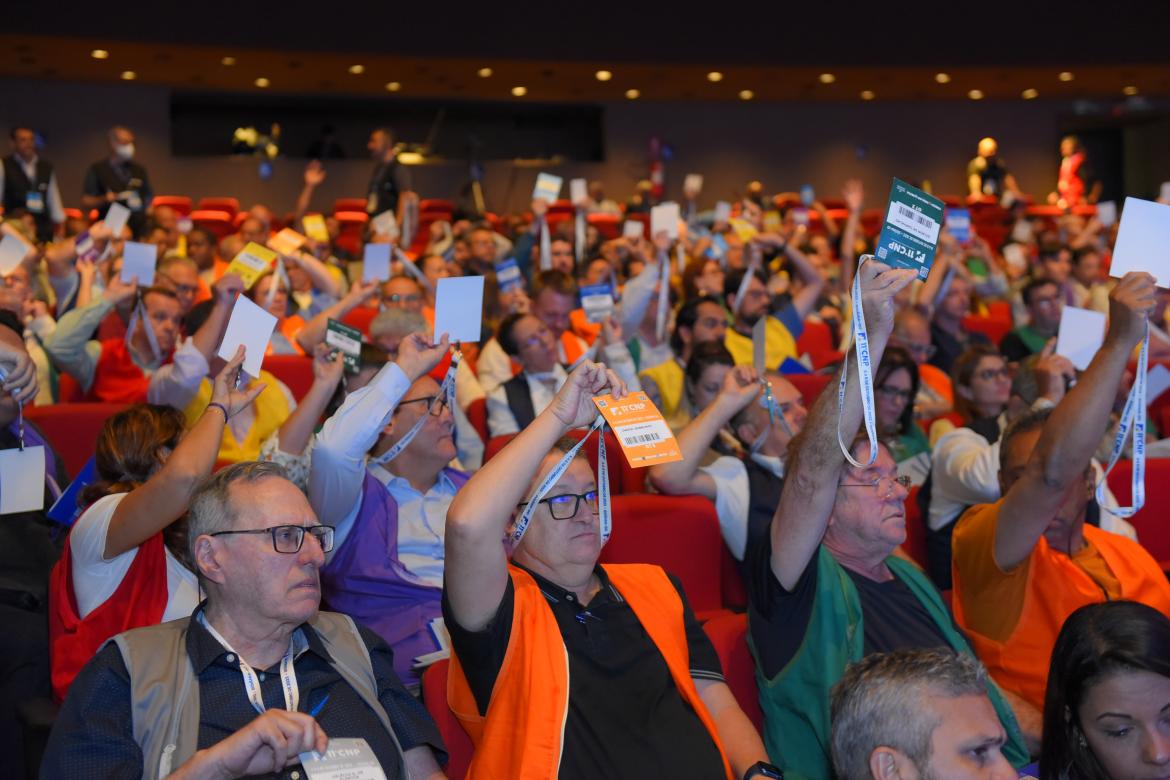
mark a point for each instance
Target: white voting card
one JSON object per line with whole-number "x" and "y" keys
{"x": 385, "y": 224}
{"x": 1157, "y": 382}
{"x": 1143, "y": 241}
{"x": 251, "y": 326}
{"x": 139, "y": 260}
{"x": 459, "y": 308}
{"x": 1107, "y": 213}
{"x": 22, "y": 480}
{"x": 344, "y": 759}
{"x": 1081, "y": 333}
{"x": 664, "y": 219}
{"x": 578, "y": 191}
{"x": 376, "y": 263}
{"x": 548, "y": 187}
{"x": 722, "y": 211}
{"x": 116, "y": 219}
{"x": 12, "y": 251}
{"x": 632, "y": 228}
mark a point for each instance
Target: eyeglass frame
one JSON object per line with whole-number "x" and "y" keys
{"x": 439, "y": 400}
{"x": 901, "y": 479}
{"x": 895, "y": 392}
{"x": 579, "y": 497}
{"x": 304, "y": 530}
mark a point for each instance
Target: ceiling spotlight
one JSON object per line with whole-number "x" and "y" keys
{"x": 827, "y": 78}
{"x": 867, "y": 94}
{"x": 1129, "y": 91}
{"x": 942, "y": 78}
{"x": 129, "y": 75}
{"x": 485, "y": 73}
{"x": 357, "y": 70}
{"x": 1065, "y": 76}
{"x": 393, "y": 86}
{"x": 228, "y": 61}
{"x": 262, "y": 82}
{"x": 519, "y": 91}
{"x": 632, "y": 94}
{"x": 603, "y": 75}
{"x": 746, "y": 94}
{"x": 714, "y": 76}
{"x": 100, "y": 54}
{"x": 1029, "y": 94}
{"x": 975, "y": 94}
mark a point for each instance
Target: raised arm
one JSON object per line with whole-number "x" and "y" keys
{"x": 810, "y": 486}
{"x": 313, "y": 333}
{"x": 164, "y": 497}
{"x": 805, "y": 301}
{"x": 1076, "y": 426}
{"x": 314, "y": 176}
{"x": 69, "y": 344}
{"x": 854, "y": 195}
{"x": 476, "y": 572}
{"x": 296, "y": 431}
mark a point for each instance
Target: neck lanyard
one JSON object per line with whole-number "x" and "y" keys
{"x": 864, "y": 375}
{"x": 447, "y": 389}
{"x": 579, "y": 236}
{"x": 288, "y": 675}
{"x": 663, "y": 297}
{"x": 139, "y": 313}
{"x": 545, "y": 246}
{"x": 1133, "y": 415}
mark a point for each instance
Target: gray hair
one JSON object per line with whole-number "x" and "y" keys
{"x": 211, "y": 507}
{"x": 397, "y": 323}
{"x": 1029, "y": 421}
{"x": 878, "y": 702}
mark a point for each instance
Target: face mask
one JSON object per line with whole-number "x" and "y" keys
{"x": 125, "y": 151}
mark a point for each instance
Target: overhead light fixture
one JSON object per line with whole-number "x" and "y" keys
{"x": 746, "y": 94}
{"x": 603, "y": 75}
{"x": 485, "y": 73}
{"x": 714, "y": 76}
{"x": 262, "y": 82}
{"x": 357, "y": 70}
{"x": 393, "y": 86}
{"x": 1129, "y": 91}
{"x": 632, "y": 94}
{"x": 100, "y": 54}
{"x": 228, "y": 61}
{"x": 867, "y": 94}
{"x": 975, "y": 94}
{"x": 129, "y": 75}
{"x": 1065, "y": 76}
{"x": 827, "y": 78}
{"x": 942, "y": 78}
{"x": 519, "y": 91}
{"x": 1029, "y": 94}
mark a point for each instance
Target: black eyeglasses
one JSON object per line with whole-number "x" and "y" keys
{"x": 435, "y": 403}
{"x": 565, "y": 506}
{"x": 289, "y": 538}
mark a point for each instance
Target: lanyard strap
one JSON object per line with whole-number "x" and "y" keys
{"x": 139, "y": 313}
{"x": 579, "y": 232}
{"x": 412, "y": 269}
{"x": 545, "y": 246}
{"x": 447, "y": 388}
{"x": 281, "y": 277}
{"x": 753, "y": 266}
{"x": 288, "y": 675}
{"x": 663, "y": 297}
{"x": 680, "y": 257}
{"x": 604, "y": 510}
{"x": 1133, "y": 416}
{"x": 864, "y": 375}
{"x": 409, "y": 220}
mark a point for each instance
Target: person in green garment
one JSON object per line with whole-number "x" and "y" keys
{"x": 1045, "y": 304}
{"x": 895, "y": 386}
{"x": 825, "y": 587}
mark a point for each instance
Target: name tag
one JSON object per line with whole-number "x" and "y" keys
{"x": 345, "y": 759}
{"x": 22, "y": 480}
{"x": 34, "y": 201}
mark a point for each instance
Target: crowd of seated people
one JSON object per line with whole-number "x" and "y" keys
{"x": 228, "y": 571}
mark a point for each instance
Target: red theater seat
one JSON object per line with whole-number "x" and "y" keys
{"x": 915, "y": 544}
{"x": 296, "y": 371}
{"x": 230, "y": 205}
{"x": 608, "y": 225}
{"x": 728, "y": 634}
{"x": 477, "y": 415}
{"x": 817, "y": 342}
{"x": 180, "y": 203}
{"x": 349, "y": 204}
{"x": 1152, "y": 529}
{"x": 360, "y": 318}
{"x": 434, "y": 693}
{"x": 72, "y": 429}
{"x": 809, "y": 385}
{"x": 991, "y": 327}
{"x": 217, "y": 221}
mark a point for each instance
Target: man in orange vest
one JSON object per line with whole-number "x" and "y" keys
{"x": 1024, "y": 563}
{"x": 564, "y": 668}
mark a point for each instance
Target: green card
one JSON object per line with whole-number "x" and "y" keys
{"x": 347, "y": 341}
{"x": 909, "y": 237}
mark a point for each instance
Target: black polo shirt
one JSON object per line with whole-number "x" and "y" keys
{"x": 626, "y": 717}
{"x": 93, "y": 734}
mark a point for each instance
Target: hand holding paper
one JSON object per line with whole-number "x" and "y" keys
{"x": 139, "y": 260}
{"x": 376, "y": 263}
{"x": 249, "y": 326}
{"x": 459, "y": 308}
{"x": 1143, "y": 241}
{"x": 1082, "y": 332}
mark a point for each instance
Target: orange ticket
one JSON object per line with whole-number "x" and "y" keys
{"x": 286, "y": 242}
{"x": 644, "y": 436}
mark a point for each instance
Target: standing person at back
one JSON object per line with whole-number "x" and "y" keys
{"x": 29, "y": 185}
{"x": 119, "y": 179}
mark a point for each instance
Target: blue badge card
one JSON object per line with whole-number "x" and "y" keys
{"x": 909, "y": 237}
{"x": 597, "y": 301}
{"x": 548, "y": 187}
{"x": 959, "y": 224}
{"x": 65, "y": 509}
{"x": 808, "y": 195}
{"x": 508, "y": 276}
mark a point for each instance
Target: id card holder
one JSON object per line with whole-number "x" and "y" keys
{"x": 34, "y": 201}
{"x": 344, "y": 759}
{"x": 22, "y": 480}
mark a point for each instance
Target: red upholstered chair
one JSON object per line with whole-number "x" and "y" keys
{"x": 608, "y": 225}
{"x": 68, "y": 390}
{"x": 678, "y": 533}
{"x": 72, "y": 429}
{"x": 217, "y": 221}
{"x": 349, "y": 204}
{"x": 230, "y": 205}
{"x": 434, "y": 693}
{"x": 993, "y": 328}
{"x": 296, "y": 371}
{"x": 735, "y": 596}
{"x": 817, "y": 342}
{"x": 728, "y": 634}
{"x": 477, "y": 415}
{"x": 180, "y": 203}
{"x": 436, "y": 206}
{"x": 1152, "y": 529}
{"x": 809, "y": 385}
{"x": 915, "y": 544}
{"x": 73, "y": 214}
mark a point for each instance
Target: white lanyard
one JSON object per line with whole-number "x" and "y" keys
{"x": 409, "y": 220}
{"x": 604, "y": 510}
{"x": 288, "y": 675}
{"x": 864, "y": 375}
{"x": 447, "y": 389}
{"x": 580, "y": 235}
{"x": 753, "y": 265}
{"x": 1132, "y": 416}
{"x": 663, "y": 297}
{"x": 279, "y": 278}
{"x": 139, "y": 313}
{"x": 545, "y": 246}
{"x": 412, "y": 269}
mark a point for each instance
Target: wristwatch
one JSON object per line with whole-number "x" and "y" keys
{"x": 763, "y": 769}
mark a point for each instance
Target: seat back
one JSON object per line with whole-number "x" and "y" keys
{"x": 817, "y": 342}
{"x": 217, "y": 221}
{"x": 1150, "y": 523}
{"x": 809, "y": 385}
{"x": 993, "y": 328}
{"x": 608, "y": 225}
{"x": 915, "y": 544}
{"x": 728, "y": 634}
{"x": 230, "y": 205}
{"x": 296, "y": 371}
{"x": 434, "y": 693}
{"x": 180, "y": 203}
{"x": 477, "y": 416}
{"x": 72, "y": 429}
{"x": 349, "y": 204}
{"x": 360, "y": 318}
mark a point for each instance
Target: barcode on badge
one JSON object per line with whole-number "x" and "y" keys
{"x": 643, "y": 433}
{"x": 914, "y": 222}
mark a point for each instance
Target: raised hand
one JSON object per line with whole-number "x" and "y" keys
{"x": 539, "y": 208}
{"x": 224, "y": 389}
{"x": 573, "y": 405}
{"x": 1130, "y": 304}
{"x": 314, "y": 173}
{"x": 228, "y": 288}
{"x": 740, "y": 387}
{"x": 361, "y": 292}
{"x": 879, "y": 285}
{"x": 267, "y": 745}
{"x": 118, "y": 292}
{"x": 328, "y": 365}
{"x": 854, "y": 194}
{"x": 1053, "y": 373}
{"x": 417, "y": 355}
{"x": 20, "y": 372}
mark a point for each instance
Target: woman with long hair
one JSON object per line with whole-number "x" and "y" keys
{"x": 1107, "y": 706}
{"x": 895, "y": 386}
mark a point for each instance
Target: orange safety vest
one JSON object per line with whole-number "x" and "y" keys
{"x": 573, "y": 346}
{"x": 523, "y": 732}
{"x": 289, "y": 328}
{"x": 580, "y": 324}
{"x": 1056, "y": 588}
{"x": 937, "y": 380}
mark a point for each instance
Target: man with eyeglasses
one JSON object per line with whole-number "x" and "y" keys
{"x": 257, "y": 675}
{"x": 402, "y": 292}
{"x": 180, "y": 275}
{"x": 1045, "y": 305}
{"x": 947, "y": 334}
{"x": 783, "y": 327}
{"x": 912, "y": 332}
{"x": 380, "y": 473}
{"x": 825, "y": 587}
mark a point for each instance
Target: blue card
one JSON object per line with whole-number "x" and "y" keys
{"x": 959, "y": 224}
{"x": 65, "y": 509}
{"x": 508, "y": 276}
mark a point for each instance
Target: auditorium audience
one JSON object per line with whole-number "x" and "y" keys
{"x": 1042, "y": 297}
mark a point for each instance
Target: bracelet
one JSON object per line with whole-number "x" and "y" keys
{"x": 222, "y": 408}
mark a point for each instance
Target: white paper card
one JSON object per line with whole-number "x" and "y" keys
{"x": 693, "y": 183}
{"x": 722, "y": 211}
{"x": 139, "y": 260}
{"x": 578, "y": 191}
{"x": 760, "y": 346}
{"x": 548, "y": 187}
{"x": 116, "y": 219}
{"x": 344, "y": 759}
{"x": 664, "y": 219}
{"x": 1082, "y": 332}
{"x": 1157, "y": 382}
{"x": 1107, "y": 213}
{"x": 632, "y": 228}
{"x": 459, "y": 308}
{"x": 22, "y": 480}
{"x": 12, "y": 251}
{"x": 251, "y": 326}
{"x": 376, "y": 263}
{"x": 1143, "y": 241}
{"x": 385, "y": 224}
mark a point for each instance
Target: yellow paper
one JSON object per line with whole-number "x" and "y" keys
{"x": 286, "y": 242}
{"x": 643, "y": 434}
{"x": 252, "y": 262}
{"x": 314, "y": 225}
{"x": 744, "y": 229}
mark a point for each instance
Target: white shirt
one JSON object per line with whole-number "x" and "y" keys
{"x": 733, "y": 496}
{"x": 493, "y": 366}
{"x": 541, "y": 387}
{"x": 95, "y": 579}
{"x": 53, "y": 204}
{"x": 422, "y": 523}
